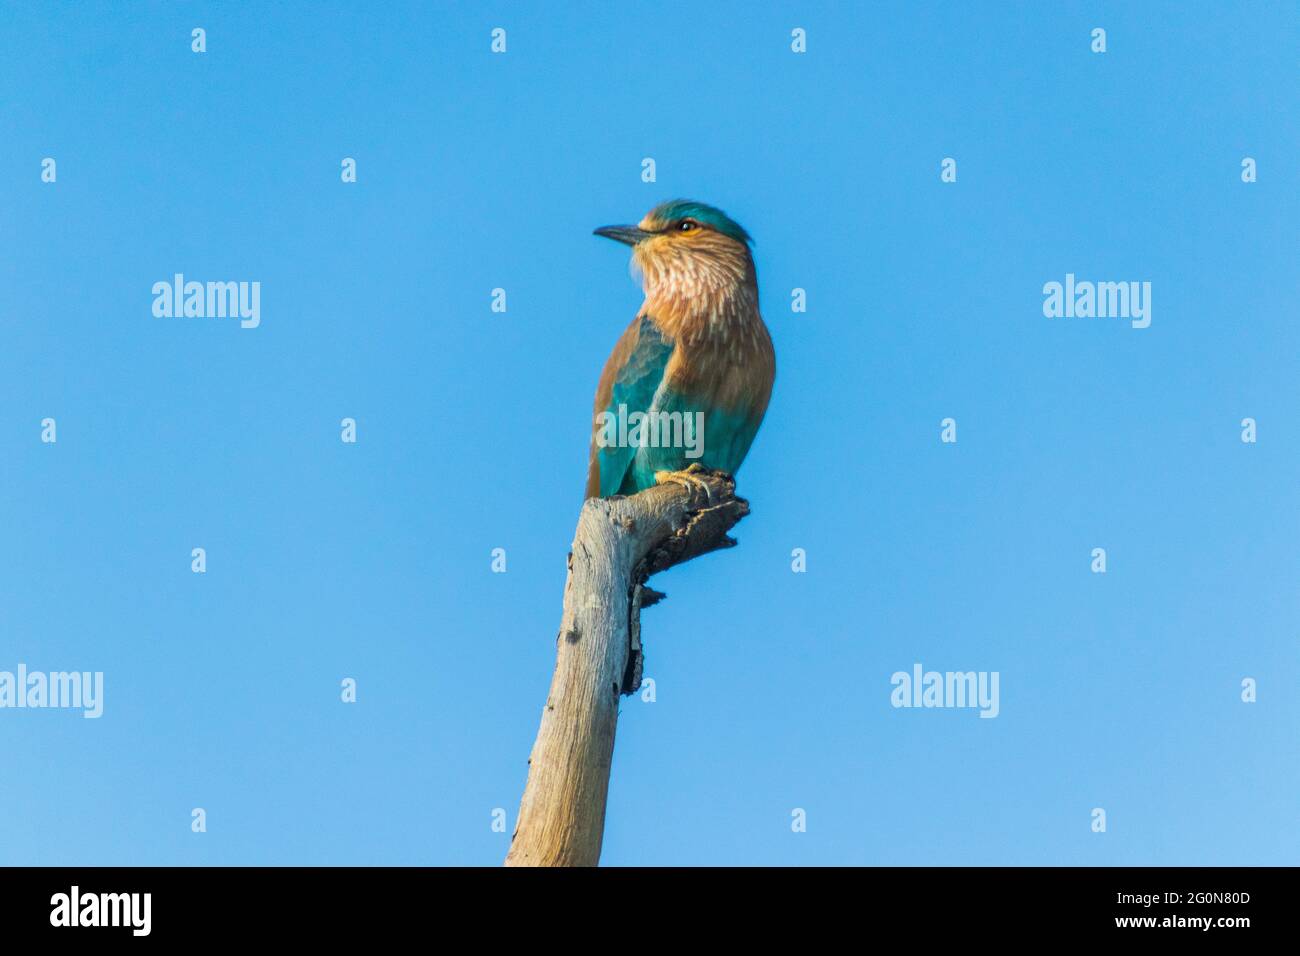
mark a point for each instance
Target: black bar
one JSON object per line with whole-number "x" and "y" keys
{"x": 331, "y": 905}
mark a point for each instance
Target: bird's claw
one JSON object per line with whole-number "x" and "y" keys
{"x": 689, "y": 478}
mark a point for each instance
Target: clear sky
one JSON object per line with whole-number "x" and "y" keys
{"x": 325, "y": 560}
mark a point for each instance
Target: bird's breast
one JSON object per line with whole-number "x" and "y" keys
{"x": 727, "y": 366}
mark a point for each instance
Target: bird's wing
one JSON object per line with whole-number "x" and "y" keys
{"x": 631, "y": 377}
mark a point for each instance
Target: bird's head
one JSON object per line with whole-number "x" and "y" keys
{"x": 688, "y": 246}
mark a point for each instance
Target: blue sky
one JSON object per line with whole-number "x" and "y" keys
{"x": 372, "y": 561}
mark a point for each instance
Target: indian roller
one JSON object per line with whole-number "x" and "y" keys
{"x": 693, "y": 373}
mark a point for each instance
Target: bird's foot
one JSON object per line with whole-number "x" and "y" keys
{"x": 689, "y": 478}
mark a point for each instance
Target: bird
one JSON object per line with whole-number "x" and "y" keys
{"x": 689, "y": 381}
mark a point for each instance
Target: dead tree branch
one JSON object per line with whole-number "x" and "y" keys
{"x": 619, "y": 543}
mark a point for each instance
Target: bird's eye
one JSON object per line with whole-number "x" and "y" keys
{"x": 686, "y": 225}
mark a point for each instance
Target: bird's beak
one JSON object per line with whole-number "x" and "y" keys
{"x": 627, "y": 234}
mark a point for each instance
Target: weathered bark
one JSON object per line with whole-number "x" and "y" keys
{"x": 619, "y": 543}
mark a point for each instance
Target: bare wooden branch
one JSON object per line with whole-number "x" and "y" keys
{"x": 619, "y": 543}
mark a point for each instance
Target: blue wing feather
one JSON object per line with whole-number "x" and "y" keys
{"x": 635, "y": 387}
